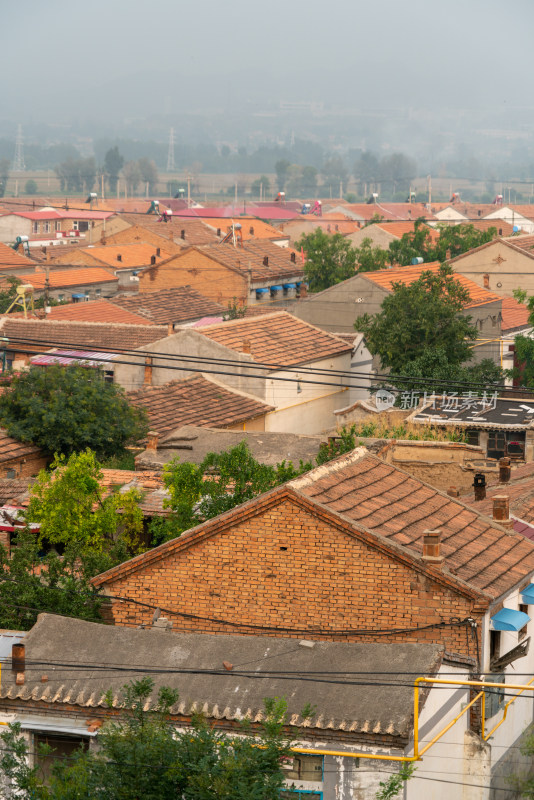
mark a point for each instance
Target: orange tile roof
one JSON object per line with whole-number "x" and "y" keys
{"x": 197, "y": 401}
{"x": 131, "y": 255}
{"x": 250, "y": 258}
{"x": 44, "y": 334}
{"x": 407, "y": 275}
{"x": 184, "y": 232}
{"x": 251, "y": 227}
{"x": 180, "y": 304}
{"x": 388, "y": 501}
{"x": 62, "y": 278}
{"x": 96, "y": 311}
{"x": 10, "y": 258}
{"x": 398, "y": 229}
{"x": 398, "y": 211}
{"x": 278, "y": 339}
{"x": 502, "y": 227}
{"x": 11, "y": 448}
{"x": 334, "y": 225}
{"x": 525, "y": 242}
{"x": 514, "y": 315}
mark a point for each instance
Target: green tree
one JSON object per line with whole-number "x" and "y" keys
{"x": 457, "y": 239}
{"x": 423, "y": 315}
{"x": 432, "y": 371}
{"x": 70, "y": 506}
{"x": 369, "y": 258}
{"x": 132, "y": 176}
{"x": 261, "y": 187}
{"x": 67, "y": 409}
{"x": 415, "y": 244}
{"x": 334, "y": 172}
{"x": 32, "y": 583}
{"x": 141, "y": 754}
{"x": 330, "y": 259}
{"x": 113, "y": 163}
{"x": 235, "y": 310}
{"x": 393, "y": 786}
{"x": 222, "y": 481}
{"x": 282, "y": 172}
{"x": 149, "y": 173}
{"x": 30, "y": 187}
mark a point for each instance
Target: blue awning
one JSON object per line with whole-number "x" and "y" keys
{"x": 261, "y": 291}
{"x": 302, "y": 283}
{"x": 508, "y": 620}
{"x": 290, "y": 285}
{"x": 276, "y": 288}
{"x": 78, "y": 295}
{"x": 527, "y": 594}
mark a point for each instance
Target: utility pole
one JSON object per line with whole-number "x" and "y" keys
{"x": 189, "y": 191}
{"x": 18, "y": 161}
{"x": 430, "y": 190}
{"x": 235, "y": 195}
{"x": 47, "y": 289}
{"x": 170, "y": 155}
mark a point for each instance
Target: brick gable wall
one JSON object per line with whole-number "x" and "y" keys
{"x": 195, "y": 269}
{"x": 326, "y": 579}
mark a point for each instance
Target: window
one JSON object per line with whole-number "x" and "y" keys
{"x": 80, "y": 225}
{"x": 495, "y": 644}
{"x": 35, "y": 227}
{"x": 472, "y": 437}
{"x": 305, "y": 768}
{"x": 46, "y": 227}
{"x": 494, "y": 698}
{"x": 58, "y": 225}
{"x": 62, "y": 747}
{"x": 523, "y": 632}
{"x": 61, "y": 297}
{"x": 10, "y": 473}
{"x": 98, "y": 292}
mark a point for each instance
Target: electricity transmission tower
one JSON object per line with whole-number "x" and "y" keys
{"x": 170, "y": 155}
{"x": 18, "y": 161}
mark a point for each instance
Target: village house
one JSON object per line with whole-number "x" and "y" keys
{"x": 356, "y": 549}
{"x": 357, "y": 733}
{"x": 128, "y": 257}
{"x": 257, "y": 271}
{"x": 19, "y": 459}
{"x": 73, "y": 284}
{"x": 502, "y": 265}
{"x": 383, "y": 233}
{"x": 300, "y": 371}
{"x": 338, "y": 307}
{"x": 50, "y": 224}
{"x": 175, "y": 231}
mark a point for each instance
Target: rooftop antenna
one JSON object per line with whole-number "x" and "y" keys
{"x": 18, "y": 161}
{"x": 170, "y": 155}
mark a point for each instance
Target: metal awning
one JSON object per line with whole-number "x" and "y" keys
{"x": 527, "y": 594}
{"x": 261, "y": 291}
{"x": 508, "y": 620}
{"x": 276, "y": 288}
{"x": 290, "y": 285}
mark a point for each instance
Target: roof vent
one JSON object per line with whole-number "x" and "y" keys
{"x": 119, "y": 257}
{"x": 265, "y": 261}
{"x": 152, "y": 260}
{"x": 218, "y": 231}
{"x": 182, "y": 233}
{"x": 479, "y": 485}
{"x": 293, "y": 258}
{"x": 505, "y": 470}
{"x": 251, "y": 230}
{"x": 158, "y": 251}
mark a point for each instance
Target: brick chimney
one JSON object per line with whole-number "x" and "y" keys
{"x": 119, "y": 257}
{"x": 18, "y": 658}
{"x": 432, "y": 547}
{"x": 152, "y": 440}
{"x": 152, "y": 260}
{"x": 265, "y": 261}
{"x": 505, "y": 470}
{"x": 245, "y": 346}
{"x": 452, "y": 491}
{"x": 486, "y": 280}
{"x": 158, "y": 251}
{"x": 170, "y": 328}
{"x": 303, "y": 290}
{"x": 147, "y": 378}
{"x": 182, "y": 234}
{"x": 501, "y": 510}
{"x": 293, "y": 258}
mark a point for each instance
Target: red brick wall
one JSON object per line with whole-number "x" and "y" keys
{"x": 325, "y": 579}
{"x": 25, "y": 467}
{"x": 193, "y": 268}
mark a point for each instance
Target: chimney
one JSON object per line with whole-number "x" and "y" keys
{"x": 152, "y": 260}
{"x": 265, "y": 261}
{"x": 170, "y": 328}
{"x": 245, "y": 346}
{"x": 432, "y": 547}
{"x": 486, "y": 281}
{"x": 18, "y": 658}
{"x": 479, "y": 485}
{"x": 505, "y": 470}
{"x": 501, "y": 510}
{"x": 293, "y": 258}
{"x": 152, "y": 440}
{"x": 500, "y": 231}
{"x": 452, "y": 491}
{"x": 147, "y": 378}
{"x": 303, "y": 290}
{"x": 251, "y": 231}
{"x": 119, "y": 257}
{"x": 218, "y": 231}
{"x": 182, "y": 234}
{"x": 158, "y": 251}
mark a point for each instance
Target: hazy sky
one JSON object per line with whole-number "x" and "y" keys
{"x": 111, "y": 57}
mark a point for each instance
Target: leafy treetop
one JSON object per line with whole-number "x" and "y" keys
{"x": 67, "y": 409}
